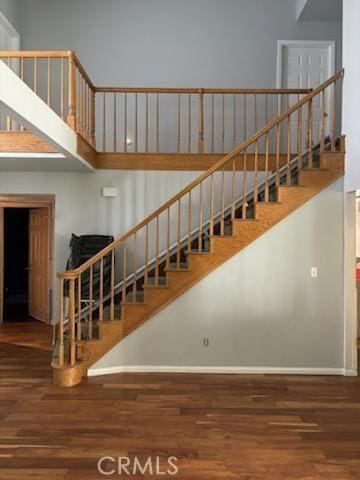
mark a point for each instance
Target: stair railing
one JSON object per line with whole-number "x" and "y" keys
{"x": 149, "y": 120}
{"x": 206, "y": 200}
{"x": 61, "y": 81}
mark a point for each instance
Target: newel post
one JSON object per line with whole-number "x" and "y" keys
{"x": 71, "y": 119}
{"x": 201, "y": 120}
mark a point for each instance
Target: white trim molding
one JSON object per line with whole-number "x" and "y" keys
{"x": 282, "y": 44}
{"x": 94, "y": 372}
{"x": 10, "y": 30}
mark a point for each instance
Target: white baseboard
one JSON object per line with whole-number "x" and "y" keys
{"x": 93, "y": 372}
{"x": 348, "y": 372}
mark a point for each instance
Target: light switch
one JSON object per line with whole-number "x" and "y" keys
{"x": 314, "y": 272}
{"x": 109, "y": 192}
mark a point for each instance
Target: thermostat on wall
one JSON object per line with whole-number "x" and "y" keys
{"x": 109, "y": 192}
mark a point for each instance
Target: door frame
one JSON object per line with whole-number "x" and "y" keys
{"x": 13, "y": 34}
{"x": 29, "y": 201}
{"x": 282, "y": 44}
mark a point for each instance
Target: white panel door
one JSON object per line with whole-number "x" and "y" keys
{"x": 307, "y": 65}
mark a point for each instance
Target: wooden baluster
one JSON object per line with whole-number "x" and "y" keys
{"x": 88, "y": 118}
{"x": 112, "y": 287}
{"x": 125, "y": 122}
{"x": 299, "y": 140}
{"x": 81, "y": 87}
{"x": 124, "y": 274}
{"x": 234, "y": 121}
{"x": 277, "y": 169}
{"x": 266, "y": 108}
{"x": 61, "y": 324}
{"x": 22, "y": 129}
{"x": 62, "y": 89}
{"x": 200, "y": 217}
{"x": 104, "y": 123}
{"x": 146, "y": 276}
{"x": 310, "y": 133}
{"x": 49, "y": 82}
{"x": 178, "y": 252}
{"x": 72, "y": 321}
{"x": 9, "y": 119}
{"x": 157, "y": 123}
{"x": 84, "y": 90}
{"x": 233, "y": 188}
{"x": 212, "y": 123}
{"x": 333, "y": 119}
{"x": 79, "y": 309}
{"x": 135, "y": 259}
{"x": 267, "y": 167}
{"x": 81, "y": 106}
{"x": 115, "y": 123}
{"x": 91, "y": 293}
{"x": 189, "y": 124}
{"x": 222, "y": 221}
{"x": 36, "y": 78}
{"x": 244, "y": 205}
{"x": 136, "y": 122}
{"x": 255, "y": 114}
{"x": 179, "y": 124}
{"x": 189, "y": 248}
{"x": 146, "y": 122}
{"x": 201, "y": 121}
{"x": 212, "y": 206}
{"x": 168, "y": 239}
{"x": 288, "y": 151}
{"x": 71, "y": 119}
{"x": 256, "y": 172}
{"x": 157, "y": 253}
{"x": 223, "y": 124}
{"x": 245, "y": 117}
{"x": 22, "y": 68}
{"x": 101, "y": 292}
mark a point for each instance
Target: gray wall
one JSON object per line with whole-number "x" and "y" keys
{"x": 172, "y": 42}
{"x": 261, "y": 308}
{"x": 80, "y": 208}
{"x": 10, "y": 8}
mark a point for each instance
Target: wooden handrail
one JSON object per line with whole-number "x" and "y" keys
{"x": 35, "y": 53}
{"x": 70, "y": 274}
{"x": 195, "y": 90}
{"x": 107, "y": 89}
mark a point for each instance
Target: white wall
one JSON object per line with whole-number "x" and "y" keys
{"x": 261, "y": 308}
{"x": 351, "y": 93}
{"x": 177, "y": 42}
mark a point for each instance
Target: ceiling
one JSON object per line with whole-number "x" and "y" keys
{"x": 326, "y": 10}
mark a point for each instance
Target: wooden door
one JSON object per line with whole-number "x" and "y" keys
{"x": 39, "y": 258}
{"x": 1, "y": 264}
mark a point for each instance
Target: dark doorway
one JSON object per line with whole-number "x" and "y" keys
{"x": 16, "y": 264}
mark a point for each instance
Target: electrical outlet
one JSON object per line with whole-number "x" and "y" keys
{"x": 206, "y": 342}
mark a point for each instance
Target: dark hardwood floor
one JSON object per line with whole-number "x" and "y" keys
{"x": 218, "y": 426}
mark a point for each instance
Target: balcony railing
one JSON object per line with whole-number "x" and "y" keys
{"x": 147, "y": 119}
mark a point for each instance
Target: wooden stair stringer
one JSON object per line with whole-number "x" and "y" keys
{"x": 222, "y": 248}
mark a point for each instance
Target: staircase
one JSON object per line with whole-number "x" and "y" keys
{"x": 218, "y": 214}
